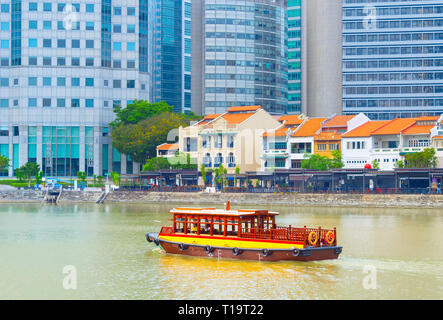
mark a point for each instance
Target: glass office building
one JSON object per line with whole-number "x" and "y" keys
{"x": 63, "y": 66}
{"x": 393, "y": 58}
{"x": 245, "y": 55}
{"x": 171, "y": 68}
{"x": 294, "y": 56}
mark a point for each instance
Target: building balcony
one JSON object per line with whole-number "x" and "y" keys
{"x": 275, "y": 153}
{"x": 385, "y": 150}
{"x": 300, "y": 151}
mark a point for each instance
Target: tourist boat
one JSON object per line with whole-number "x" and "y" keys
{"x": 243, "y": 234}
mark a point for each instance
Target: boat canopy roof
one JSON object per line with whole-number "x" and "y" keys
{"x": 223, "y": 212}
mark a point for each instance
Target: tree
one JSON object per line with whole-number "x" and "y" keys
{"x": 156, "y": 164}
{"x": 81, "y": 176}
{"x": 423, "y": 159}
{"x": 237, "y": 171}
{"x": 203, "y": 174}
{"x": 399, "y": 164}
{"x": 141, "y": 139}
{"x": 115, "y": 178}
{"x": 336, "y": 162}
{"x": 375, "y": 164}
{"x": 29, "y": 170}
{"x": 137, "y": 111}
{"x": 219, "y": 172}
{"x": 315, "y": 162}
{"x": 4, "y": 163}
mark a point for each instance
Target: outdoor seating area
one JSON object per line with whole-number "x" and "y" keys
{"x": 352, "y": 181}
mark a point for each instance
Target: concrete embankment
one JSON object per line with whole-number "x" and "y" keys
{"x": 348, "y": 200}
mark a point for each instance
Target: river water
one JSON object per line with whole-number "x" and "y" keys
{"x": 89, "y": 251}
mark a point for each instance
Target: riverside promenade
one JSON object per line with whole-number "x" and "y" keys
{"x": 188, "y": 198}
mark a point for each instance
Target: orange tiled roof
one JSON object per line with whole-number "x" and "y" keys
{"x": 291, "y": 120}
{"x": 243, "y": 109}
{"x": 338, "y": 121}
{"x": 365, "y": 129}
{"x": 327, "y": 136}
{"x": 428, "y": 118}
{"x": 236, "y": 118}
{"x": 308, "y": 128}
{"x": 416, "y": 129}
{"x": 280, "y": 132}
{"x": 168, "y": 146}
{"x": 437, "y": 137}
{"x": 208, "y": 118}
{"x": 395, "y": 126}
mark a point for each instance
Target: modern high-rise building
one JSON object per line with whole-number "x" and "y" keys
{"x": 244, "y": 55}
{"x": 62, "y": 68}
{"x": 294, "y": 55}
{"x": 321, "y": 57}
{"x": 393, "y": 58}
{"x": 171, "y": 43}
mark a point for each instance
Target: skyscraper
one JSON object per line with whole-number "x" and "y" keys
{"x": 171, "y": 43}
{"x": 393, "y": 58}
{"x": 62, "y": 68}
{"x": 321, "y": 57}
{"x": 294, "y": 55}
{"x": 244, "y": 58}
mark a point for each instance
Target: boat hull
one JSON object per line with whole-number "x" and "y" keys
{"x": 296, "y": 254}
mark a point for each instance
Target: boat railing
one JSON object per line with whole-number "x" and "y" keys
{"x": 289, "y": 234}
{"x": 167, "y": 230}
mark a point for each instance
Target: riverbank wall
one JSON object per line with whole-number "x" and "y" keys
{"x": 190, "y": 199}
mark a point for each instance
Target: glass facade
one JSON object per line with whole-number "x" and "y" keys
{"x": 63, "y": 67}
{"x": 172, "y": 52}
{"x": 245, "y": 55}
{"x": 393, "y": 58}
{"x": 294, "y": 56}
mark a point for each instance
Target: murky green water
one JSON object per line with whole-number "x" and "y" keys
{"x": 397, "y": 251}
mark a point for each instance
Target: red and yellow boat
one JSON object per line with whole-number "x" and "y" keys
{"x": 243, "y": 234}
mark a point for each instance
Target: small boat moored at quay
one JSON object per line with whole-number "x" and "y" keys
{"x": 246, "y": 234}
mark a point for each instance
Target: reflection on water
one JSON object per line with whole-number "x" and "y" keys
{"x": 113, "y": 261}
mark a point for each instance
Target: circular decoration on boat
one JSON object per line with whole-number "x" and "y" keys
{"x": 266, "y": 252}
{"x": 330, "y": 237}
{"x": 208, "y": 249}
{"x": 148, "y": 238}
{"x": 157, "y": 242}
{"x": 236, "y": 251}
{"x": 312, "y": 238}
{"x": 295, "y": 252}
{"x": 181, "y": 246}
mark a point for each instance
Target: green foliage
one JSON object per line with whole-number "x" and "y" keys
{"x": 375, "y": 164}
{"x": 315, "y": 162}
{"x": 423, "y": 159}
{"x": 322, "y": 163}
{"x": 336, "y": 162}
{"x": 203, "y": 173}
{"x": 156, "y": 164}
{"x": 180, "y": 161}
{"x": 115, "y": 178}
{"x": 81, "y": 176}
{"x": 137, "y": 111}
{"x": 4, "y": 163}
{"x": 38, "y": 177}
{"x": 219, "y": 172}
{"x": 141, "y": 139}
{"x": 27, "y": 171}
{"x": 399, "y": 164}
